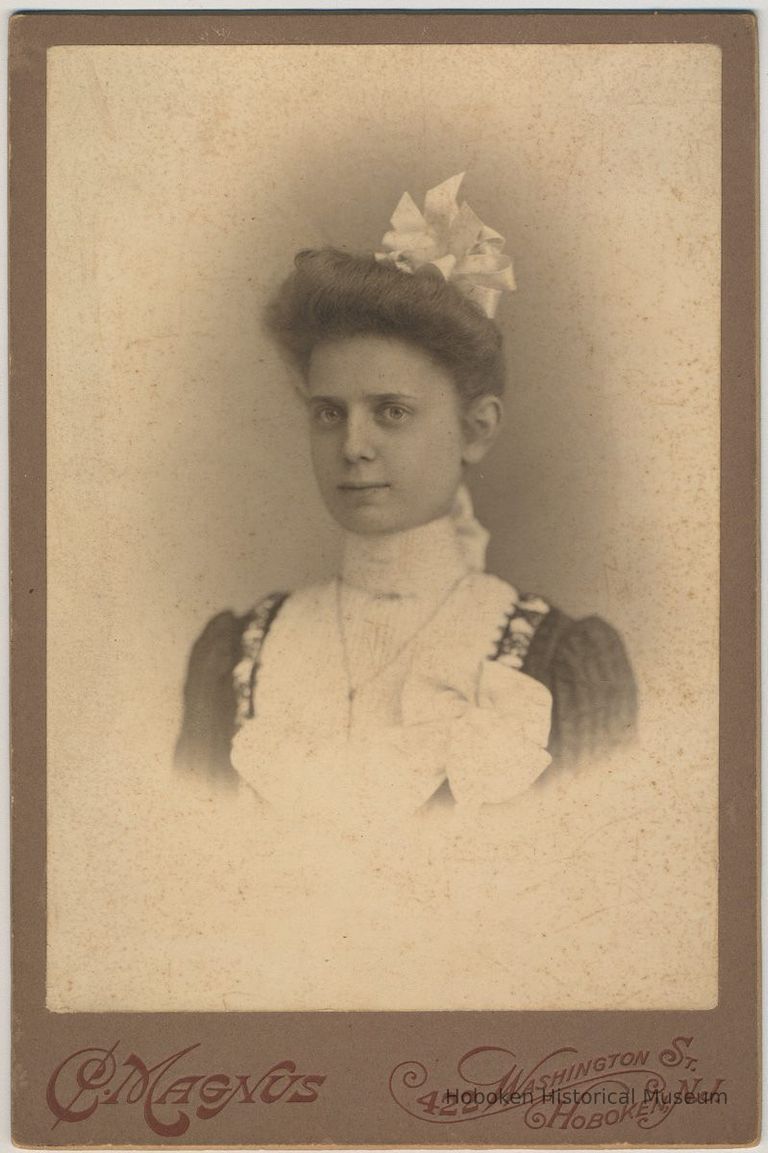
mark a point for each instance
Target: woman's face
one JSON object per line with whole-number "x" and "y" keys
{"x": 387, "y": 435}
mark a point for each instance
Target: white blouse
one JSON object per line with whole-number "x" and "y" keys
{"x": 349, "y": 886}
{"x": 376, "y": 688}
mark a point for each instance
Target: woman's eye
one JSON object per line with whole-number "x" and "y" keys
{"x": 395, "y": 413}
{"x": 326, "y": 415}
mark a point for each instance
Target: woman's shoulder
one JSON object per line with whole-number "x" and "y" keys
{"x": 227, "y": 635}
{"x": 588, "y": 646}
{"x": 223, "y": 634}
{"x": 576, "y": 649}
{"x": 213, "y": 696}
{"x": 584, "y": 663}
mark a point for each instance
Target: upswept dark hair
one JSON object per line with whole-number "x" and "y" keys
{"x": 331, "y": 295}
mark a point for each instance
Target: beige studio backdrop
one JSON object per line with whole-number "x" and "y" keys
{"x": 181, "y": 181}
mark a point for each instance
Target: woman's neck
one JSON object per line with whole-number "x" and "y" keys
{"x": 424, "y": 561}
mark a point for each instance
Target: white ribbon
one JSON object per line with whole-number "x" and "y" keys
{"x": 493, "y": 747}
{"x": 472, "y": 537}
{"x": 452, "y": 238}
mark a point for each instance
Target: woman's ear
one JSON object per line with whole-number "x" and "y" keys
{"x": 481, "y": 423}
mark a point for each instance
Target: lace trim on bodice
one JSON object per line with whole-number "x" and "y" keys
{"x": 246, "y": 670}
{"x": 518, "y": 629}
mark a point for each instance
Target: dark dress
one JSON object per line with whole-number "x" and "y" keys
{"x": 583, "y": 663}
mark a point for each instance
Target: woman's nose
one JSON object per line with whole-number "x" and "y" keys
{"x": 359, "y": 441}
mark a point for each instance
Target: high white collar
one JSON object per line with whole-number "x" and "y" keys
{"x": 423, "y": 562}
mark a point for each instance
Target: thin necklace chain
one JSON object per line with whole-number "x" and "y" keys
{"x": 354, "y": 689}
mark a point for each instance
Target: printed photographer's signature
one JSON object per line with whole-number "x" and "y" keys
{"x": 93, "y": 1078}
{"x": 565, "y": 1089}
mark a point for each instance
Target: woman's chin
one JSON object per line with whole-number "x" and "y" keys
{"x": 367, "y": 522}
{"x": 372, "y": 520}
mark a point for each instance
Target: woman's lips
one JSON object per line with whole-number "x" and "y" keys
{"x": 363, "y": 493}
{"x": 350, "y": 486}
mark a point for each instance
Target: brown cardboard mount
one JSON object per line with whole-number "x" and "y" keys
{"x": 116, "y": 1044}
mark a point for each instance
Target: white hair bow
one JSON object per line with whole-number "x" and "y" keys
{"x": 451, "y": 237}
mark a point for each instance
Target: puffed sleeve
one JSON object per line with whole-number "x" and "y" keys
{"x": 208, "y": 723}
{"x": 594, "y": 696}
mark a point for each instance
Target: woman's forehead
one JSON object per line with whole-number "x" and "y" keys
{"x": 373, "y": 364}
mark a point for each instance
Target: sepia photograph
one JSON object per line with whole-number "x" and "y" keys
{"x": 383, "y": 386}
{"x": 383, "y": 537}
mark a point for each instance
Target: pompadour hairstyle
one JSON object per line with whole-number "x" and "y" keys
{"x": 331, "y": 295}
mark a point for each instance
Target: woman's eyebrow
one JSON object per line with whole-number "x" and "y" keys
{"x": 325, "y": 400}
{"x": 376, "y": 396}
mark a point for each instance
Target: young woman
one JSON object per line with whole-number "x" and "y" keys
{"x": 414, "y": 682}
